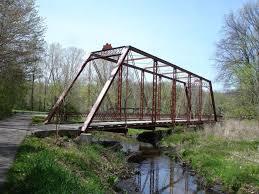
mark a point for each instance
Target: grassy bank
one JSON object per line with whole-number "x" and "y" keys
{"x": 50, "y": 166}
{"x": 234, "y": 163}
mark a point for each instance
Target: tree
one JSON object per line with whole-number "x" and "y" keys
{"x": 73, "y": 58}
{"x": 21, "y": 42}
{"x": 237, "y": 56}
{"x": 58, "y": 67}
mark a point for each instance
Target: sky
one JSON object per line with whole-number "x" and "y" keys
{"x": 183, "y": 32}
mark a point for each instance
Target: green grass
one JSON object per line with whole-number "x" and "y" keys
{"x": 44, "y": 166}
{"x": 38, "y": 119}
{"x": 135, "y": 131}
{"x": 28, "y": 111}
{"x": 234, "y": 163}
{"x": 132, "y": 131}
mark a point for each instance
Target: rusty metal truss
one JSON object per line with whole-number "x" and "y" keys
{"x": 127, "y": 87}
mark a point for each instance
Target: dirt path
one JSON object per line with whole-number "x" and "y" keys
{"x": 12, "y": 131}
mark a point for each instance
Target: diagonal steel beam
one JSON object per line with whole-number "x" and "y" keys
{"x": 65, "y": 92}
{"x": 213, "y": 102}
{"x": 104, "y": 90}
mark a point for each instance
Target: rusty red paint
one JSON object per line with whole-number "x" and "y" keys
{"x": 144, "y": 111}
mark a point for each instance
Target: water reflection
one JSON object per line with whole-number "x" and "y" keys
{"x": 159, "y": 174}
{"x": 162, "y": 175}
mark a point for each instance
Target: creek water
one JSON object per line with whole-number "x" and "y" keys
{"x": 157, "y": 173}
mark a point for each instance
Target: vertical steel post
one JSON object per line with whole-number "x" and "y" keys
{"x": 173, "y": 93}
{"x": 188, "y": 96}
{"x": 141, "y": 107}
{"x": 119, "y": 90}
{"x": 154, "y": 96}
{"x": 127, "y": 91}
{"x": 200, "y": 99}
{"x": 213, "y": 102}
{"x": 187, "y": 99}
{"x": 159, "y": 98}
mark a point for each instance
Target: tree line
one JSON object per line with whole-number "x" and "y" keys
{"x": 237, "y": 62}
{"x": 21, "y": 45}
{"x": 34, "y": 73}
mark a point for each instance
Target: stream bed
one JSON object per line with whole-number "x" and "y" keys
{"x": 157, "y": 173}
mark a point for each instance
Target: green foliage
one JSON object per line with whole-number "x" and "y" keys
{"x": 12, "y": 88}
{"x": 112, "y": 180}
{"x": 237, "y": 61}
{"x": 218, "y": 159}
{"x": 38, "y": 119}
{"x": 21, "y": 44}
{"x": 180, "y": 138}
{"x": 232, "y": 104}
{"x": 43, "y": 167}
{"x": 132, "y": 131}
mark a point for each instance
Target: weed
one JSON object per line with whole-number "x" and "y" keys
{"x": 41, "y": 166}
{"x": 132, "y": 131}
{"x": 38, "y": 119}
{"x": 233, "y": 162}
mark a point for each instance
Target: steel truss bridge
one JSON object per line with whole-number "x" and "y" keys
{"x": 125, "y": 87}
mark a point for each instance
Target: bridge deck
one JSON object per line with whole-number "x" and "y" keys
{"x": 121, "y": 125}
{"x": 144, "y": 124}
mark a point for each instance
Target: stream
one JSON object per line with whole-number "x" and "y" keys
{"x": 157, "y": 173}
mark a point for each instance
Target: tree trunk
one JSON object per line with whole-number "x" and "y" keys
{"x": 45, "y": 96}
{"x": 32, "y": 91}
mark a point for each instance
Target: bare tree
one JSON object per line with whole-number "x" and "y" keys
{"x": 237, "y": 53}
{"x": 73, "y": 58}
{"x": 58, "y": 69}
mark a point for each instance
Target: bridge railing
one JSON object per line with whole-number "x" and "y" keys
{"x": 127, "y": 84}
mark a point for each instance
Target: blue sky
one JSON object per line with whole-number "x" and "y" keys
{"x": 182, "y": 32}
